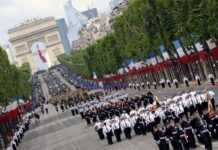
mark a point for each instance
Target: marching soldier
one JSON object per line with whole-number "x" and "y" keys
{"x": 116, "y": 128}
{"x": 126, "y": 127}
{"x": 72, "y": 109}
{"x": 189, "y": 132}
{"x": 184, "y": 139}
{"x": 169, "y": 83}
{"x": 173, "y": 134}
{"x": 162, "y": 83}
{"x": 99, "y": 129}
{"x": 130, "y": 85}
{"x": 160, "y": 138}
{"x": 143, "y": 85}
{"x": 87, "y": 118}
{"x": 197, "y": 78}
{"x": 175, "y": 81}
{"x": 185, "y": 80}
{"x": 108, "y": 132}
{"x": 139, "y": 127}
{"x": 205, "y": 137}
{"x": 138, "y": 86}
{"x": 148, "y": 84}
{"x": 155, "y": 85}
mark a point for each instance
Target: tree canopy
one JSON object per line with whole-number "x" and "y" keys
{"x": 15, "y": 82}
{"x": 148, "y": 24}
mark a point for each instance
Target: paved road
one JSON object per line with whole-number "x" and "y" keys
{"x": 44, "y": 88}
{"x": 64, "y": 132}
{"x": 58, "y": 74}
{"x": 61, "y": 131}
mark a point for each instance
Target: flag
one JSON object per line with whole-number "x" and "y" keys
{"x": 164, "y": 53}
{"x": 94, "y": 75}
{"x": 179, "y": 48}
{"x": 199, "y": 46}
{"x": 41, "y": 55}
{"x": 211, "y": 44}
{"x": 152, "y": 59}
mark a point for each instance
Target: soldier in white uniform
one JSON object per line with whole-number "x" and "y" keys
{"x": 138, "y": 86}
{"x": 148, "y": 84}
{"x": 169, "y": 83}
{"x": 198, "y": 79}
{"x": 99, "y": 129}
{"x": 155, "y": 85}
{"x": 185, "y": 80}
{"x": 116, "y": 128}
{"x": 143, "y": 85}
{"x": 130, "y": 85}
{"x": 175, "y": 81}
{"x": 126, "y": 127}
{"x": 108, "y": 132}
{"x": 162, "y": 82}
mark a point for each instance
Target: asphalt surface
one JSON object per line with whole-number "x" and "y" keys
{"x": 61, "y": 131}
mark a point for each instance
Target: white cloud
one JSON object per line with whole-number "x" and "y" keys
{"x": 14, "y": 12}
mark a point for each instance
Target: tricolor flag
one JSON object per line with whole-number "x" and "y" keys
{"x": 152, "y": 59}
{"x": 199, "y": 46}
{"x": 179, "y": 48}
{"x": 164, "y": 53}
{"x": 41, "y": 55}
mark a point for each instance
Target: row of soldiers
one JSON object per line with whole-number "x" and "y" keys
{"x": 19, "y": 133}
{"x": 166, "y": 82}
{"x": 99, "y": 110}
{"x": 167, "y": 120}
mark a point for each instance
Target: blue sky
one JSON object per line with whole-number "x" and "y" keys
{"x": 14, "y": 12}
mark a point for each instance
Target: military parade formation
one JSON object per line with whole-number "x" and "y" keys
{"x": 181, "y": 122}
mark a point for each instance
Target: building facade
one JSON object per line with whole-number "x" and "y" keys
{"x": 63, "y": 30}
{"x": 91, "y": 13}
{"x": 37, "y": 42}
{"x": 95, "y": 29}
{"x": 75, "y": 19}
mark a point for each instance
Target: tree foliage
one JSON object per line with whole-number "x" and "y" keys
{"x": 14, "y": 81}
{"x": 146, "y": 25}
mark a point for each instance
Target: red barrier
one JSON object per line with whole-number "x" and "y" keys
{"x": 202, "y": 55}
{"x": 215, "y": 53}
{"x": 13, "y": 114}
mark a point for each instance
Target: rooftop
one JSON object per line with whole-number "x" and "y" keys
{"x": 30, "y": 23}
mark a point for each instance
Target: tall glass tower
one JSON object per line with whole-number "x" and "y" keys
{"x": 75, "y": 19}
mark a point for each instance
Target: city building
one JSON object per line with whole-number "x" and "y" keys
{"x": 37, "y": 42}
{"x": 91, "y": 13}
{"x": 75, "y": 19}
{"x": 63, "y": 30}
{"x": 95, "y": 29}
